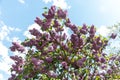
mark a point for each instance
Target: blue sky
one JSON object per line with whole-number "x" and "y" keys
{"x": 17, "y": 16}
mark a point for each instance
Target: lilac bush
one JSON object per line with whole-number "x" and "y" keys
{"x": 52, "y": 55}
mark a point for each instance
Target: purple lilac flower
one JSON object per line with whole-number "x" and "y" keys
{"x": 92, "y": 31}
{"x": 102, "y": 60}
{"x": 29, "y": 43}
{"x": 65, "y": 47}
{"x": 49, "y": 59}
{"x": 17, "y": 46}
{"x": 80, "y": 41}
{"x": 68, "y": 23}
{"x": 35, "y": 32}
{"x": 36, "y": 62}
{"x": 74, "y": 38}
{"x": 64, "y": 36}
{"x": 96, "y": 45}
{"x": 13, "y": 76}
{"x": 104, "y": 54}
{"x": 96, "y": 58}
{"x": 113, "y": 58}
{"x": 64, "y": 64}
{"x": 38, "y": 21}
{"x": 109, "y": 71}
{"x": 59, "y": 29}
{"x": 51, "y": 13}
{"x": 83, "y": 59}
{"x": 56, "y": 24}
{"x": 17, "y": 67}
{"x": 84, "y": 29}
{"x": 17, "y": 59}
{"x": 79, "y": 63}
{"x": 113, "y": 36}
{"x": 46, "y": 25}
{"x": 74, "y": 28}
{"x": 50, "y": 49}
{"x": 62, "y": 14}
{"x": 103, "y": 66}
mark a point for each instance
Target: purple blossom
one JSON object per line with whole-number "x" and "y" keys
{"x": 83, "y": 59}
{"x": 13, "y": 76}
{"x": 79, "y": 63}
{"x": 96, "y": 58}
{"x": 64, "y": 36}
{"x": 113, "y": 58}
{"x": 74, "y": 28}
{"x": 65, "y": 47}
{"x": 17, "y": 67}
{"x": 74, "y": 38}
{"x": 80, "y": 41}
{"x": 56, "y": 24}
{"x": 62, "y": 14}
{"x": 51, "y": 13}
{"x": 68, "y": 23}
{"x": 17, "y": 59}
{"x": 46, "y": 25}
{"x": 59, "y": 29}
{"x": 109, "y": 71}
{"x": 36, "y": 61}
{"x": 84, "y": 29}
{"x": 113, "y": 36}
{"x": 17, "y": 46}
{"x": 103, "y": 66}
{"x": 35, "y": 32}
{"x": 64, "y": 64}
{"x": 92, "y": 31}
{"x": 77, "y": 41}
{"x": 29, "y": 43}
{"x": 49, "y": 59}
{"x": 102, "y": 60}
{"x": 104, "y": 54}
{"x": 38, "y": 21}
{"x": 50, "y": 49}
{"x": 97, "y": 44}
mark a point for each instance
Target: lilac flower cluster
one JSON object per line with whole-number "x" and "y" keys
{"x": 17, "y": 47}
{"x": 17, "y": 67}
{"x": 52, "y": 55}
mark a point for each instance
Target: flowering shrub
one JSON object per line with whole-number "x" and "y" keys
{"x": 52, "y": 55}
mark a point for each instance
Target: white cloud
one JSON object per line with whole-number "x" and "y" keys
{"x": 59, "y": 3}
{"x": 22, "y": 1}
{"x": 46, "y": 1}
{"x": 1, "y": 76}
{"x": 110, "y": 7}
{"x": 3, "y": 50}
{"x": 5, "y": 31}
{"x": 5, "y": 61}
{"x": 103, "y": 30}
{"x": 66, "y": 31}
{"x": 110, "y": 4}
{"x": 16, "y": 39}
